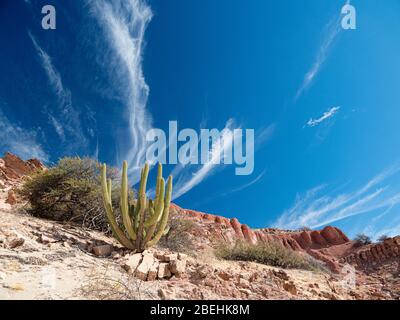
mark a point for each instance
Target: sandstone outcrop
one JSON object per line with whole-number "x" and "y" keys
{"x": 374, "y": 254}
{"x": 296, "y": 240}
{"x": 12, "y": 169}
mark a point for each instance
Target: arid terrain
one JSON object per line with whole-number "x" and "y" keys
{"x": 43, "y": 259}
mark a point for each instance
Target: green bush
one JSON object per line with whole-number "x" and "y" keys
{"x": 272, "y": 254}
{"x": 69, "y": 191}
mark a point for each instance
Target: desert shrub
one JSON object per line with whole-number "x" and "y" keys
{"x": 179, "y": 237}
{"x": 362, "y": 240}
{"x": 382, "y": 238}
{"x": 273, "y": 254}
{"x": 69, "y": 191}
{"x": 305, "y": 229}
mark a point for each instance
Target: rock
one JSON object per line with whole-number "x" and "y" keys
{"x": 209, "y": 282}
{"x": 280, "y": 274}
{"x": 11, "y": 199}
{"x": 170, "y": 257}
{"x": 45, "y": 239}
{"x": 328, "y": 295}
{"x": 290, "y": 287}
{"x": 243, "y": 283}
{"x": 163, "y": 271}
{"x": 132, "y": 262}
{"x": 15, "y": 242}
{"x": 204, "y": 270}
{"x": 332, "y": 236}
{"x": 103, "y": 250}
{"x": 182, "y": 256}
{"x": 249, "y": 234}
{"x": 237, "y": 227}
{"x": 245, "y": 291}
{"x": 177, "y": 267}
{"x": 254, "y": 277}
{"x": 144, "y": 267}
{"x": 13, "y": 169}
{"x": 224, "y": 275}
{"x": 166, "y": 294}
{"x": 153, "y": 271}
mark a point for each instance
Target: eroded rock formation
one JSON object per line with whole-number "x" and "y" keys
{"x": 374, "y": 254}
{"x": 13, "y": 168}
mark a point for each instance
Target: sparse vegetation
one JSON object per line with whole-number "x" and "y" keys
{"x": 178, "y": 237}
{"x": 382, "y": 238}
{"x": 69, "y": 191}
{"x": 305, "y": 229}
{"x": 107, "y": 285}
{"x": 272, "y": 254}
{"x": 362, "y": 240}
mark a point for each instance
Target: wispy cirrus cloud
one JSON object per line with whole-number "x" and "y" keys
{"x": 66, "y": 120}
{"x": 327, "y": 114}
{"x": 23, "y": 142}
{"x": 246, "y": 185}
{"x": 332, "y": 31}
{"x": 191, "y": 176}
{"x": 314, "y": 209}
{"x": 124, "y": 23}
{"x": 264, "y": 134}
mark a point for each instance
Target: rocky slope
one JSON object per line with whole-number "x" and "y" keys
{"x": 49, "y": 260}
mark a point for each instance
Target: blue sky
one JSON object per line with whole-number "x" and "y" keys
{"x": 324, "y": 101}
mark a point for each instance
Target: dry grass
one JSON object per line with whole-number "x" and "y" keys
{"x": 110, "y": 286}
{"x": 179, "y": 236}
{"x": 272, "y": 254}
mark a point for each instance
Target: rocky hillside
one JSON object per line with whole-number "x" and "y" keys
{"x": 45, "y": 259}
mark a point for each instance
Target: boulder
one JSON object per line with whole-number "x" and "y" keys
{"x": 15, "y": 242}
{"x": 163, "y": 271}
{"x": 177, "y": 267}
{"x": 11, "y": 199}
{"x": 153, "y": 272}
{"x": 144, "y": 267}
{"x": 103, "y": 250}
{"x": 131, "y": 264}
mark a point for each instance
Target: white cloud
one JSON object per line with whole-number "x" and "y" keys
{"x": 23, "y": 143}
{"x": 58, "y": 127}
{"x": 124, "y": 23}
{"x": 316, "y": 210}
{"x": 328, "y": 114}
{"x": 332, "y": 30}
{"x": 68, "y": 121}
{"x": 189, "y": 179}
{"x": 246, "y": 185}
{"x": 264, "y": 135}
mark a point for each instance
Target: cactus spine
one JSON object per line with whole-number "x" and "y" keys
{"x": 144, "y": 220}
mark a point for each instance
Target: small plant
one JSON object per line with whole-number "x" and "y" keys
{"x": 362, "y": 240}
{"x": 305, "y": 229}
{"x": 144, "y": 220}
{"x": 273, "y": 254}
{"x": 179, "y": 237}
{"x": 383, "y": 238}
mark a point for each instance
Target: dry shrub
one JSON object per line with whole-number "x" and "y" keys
{"x": 362, "y": 240}
{"x": 109, "y": 286}
{"x": 69, "y": 192}
{"x": 272, "y": 254}
{"x": 179, "y": 237}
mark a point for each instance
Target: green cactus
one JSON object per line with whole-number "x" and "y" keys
{"x": 144, "y": 220}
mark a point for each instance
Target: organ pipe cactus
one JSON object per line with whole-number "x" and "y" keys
{"x": 144, "y": 221}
